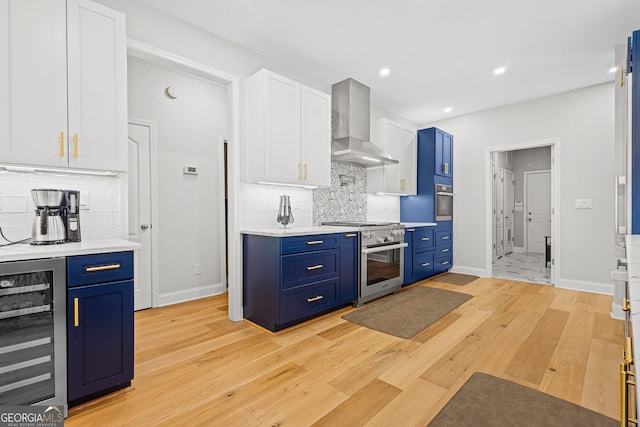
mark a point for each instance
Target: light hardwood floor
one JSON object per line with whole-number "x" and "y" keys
{"x": 195, "y": 367}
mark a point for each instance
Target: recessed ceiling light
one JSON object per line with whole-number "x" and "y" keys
{"x": 499, "y": 71}
{"x": 384, "y": 72}
{"x": 448, "y": 109}
{"x": 613, "y": 69}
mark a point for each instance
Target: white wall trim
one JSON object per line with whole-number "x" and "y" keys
{"x": 190, "y": 294}
{"x": 469, "y": 270}
{"x": 165, "y": 58}
{"x": 555, "y": 202}
{"x": 581, "y": 285}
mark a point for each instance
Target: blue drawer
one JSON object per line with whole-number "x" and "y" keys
{"x": 443, "y": 238}
{"x": 443, "y": 263}
{"x": 99, "y": 268}
{"x": 308, "y": 300}
{"x": 444, "y": 249}
{"x": 316, "y": 242}
{"x": 423, "y": 238}
{"x": 423, "y": 264}
{"x": 304, "y": 268}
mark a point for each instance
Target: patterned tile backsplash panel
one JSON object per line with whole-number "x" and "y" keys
{"x": 346, "y": 199}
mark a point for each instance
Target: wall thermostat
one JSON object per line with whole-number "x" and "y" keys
{"x": 190, "y": 170}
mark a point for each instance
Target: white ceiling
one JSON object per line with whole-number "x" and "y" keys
{"x": 441, "y": 53}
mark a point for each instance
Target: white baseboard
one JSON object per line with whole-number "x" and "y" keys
{"x": 190, "y": 294}
{"x": 518, "y": 249}
{"x": 580, "y": 285}
{"x": 469, "y": 270}
{"x": 616, "y": 311}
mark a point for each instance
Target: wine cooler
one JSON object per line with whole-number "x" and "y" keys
{"x": 33, "y": 332}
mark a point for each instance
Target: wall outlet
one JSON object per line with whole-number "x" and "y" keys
{"x": 584, "y": 203}
{"x": 198, "y": 268}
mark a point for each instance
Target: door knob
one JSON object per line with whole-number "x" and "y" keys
{"x": 144, "y": 226}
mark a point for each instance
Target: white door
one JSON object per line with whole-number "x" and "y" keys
{"x": 140, "y": 230}
{"x": 498, "y": 179}
{"x": 538, "y": 209}
{"x": 509, "y": 211}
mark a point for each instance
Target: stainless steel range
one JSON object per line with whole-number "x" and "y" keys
{"x": 381, "y": 258}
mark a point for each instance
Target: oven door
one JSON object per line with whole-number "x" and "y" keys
{"x": 444, "y": 203}
{"x": 382, "y": 268}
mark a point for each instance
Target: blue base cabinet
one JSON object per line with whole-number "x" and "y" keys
{"x": 287, "y": 280}
{"x": 99, "y": 324}
{"x": 419, "y": 259}
{"x": 443, "y": 247}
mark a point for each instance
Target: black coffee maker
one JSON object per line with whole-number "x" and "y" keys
{"x": 70, "y": 212}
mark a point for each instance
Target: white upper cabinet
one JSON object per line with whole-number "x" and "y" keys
{"x": 288, "y": 132}
{"x": 400, "y": 142}
{"x": 64, "y": 72}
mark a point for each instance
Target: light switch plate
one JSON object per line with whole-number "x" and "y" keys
{"x": 85, "y": 201}
{"x": 584, "y": 203}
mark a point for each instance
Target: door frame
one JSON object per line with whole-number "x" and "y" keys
{"x": 555, "y": 202}
{"x": 526, "y": 207}
{"x": 153, "y": 177}
{"x": 179, "y": 63}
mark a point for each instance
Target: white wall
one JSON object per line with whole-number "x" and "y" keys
{"x": 583, "y": 122}
{"x": 188, "y": 226}
{"x": 101, "y": 210}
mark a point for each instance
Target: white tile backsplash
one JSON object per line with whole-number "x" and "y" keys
{"x": 259, "y": 205}
{"x": 102, "y": 220}
{"x": 383, "y": 208}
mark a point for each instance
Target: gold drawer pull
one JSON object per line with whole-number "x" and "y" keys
{"x": 445, "y": 263}
{"x": 75, "y": 145}
{"x": 102, "y": 268}
{"x": 315, "y": 242}
{"x": 61, "y": 144}
{"x": 306, "y": 167}
{"x": 350, "y": 235}
{"x": 445, "y": 250}
{"x": 426, "y": 264}
{"x": 426, "y": 238}
{"x": 315, "y": 267}
{"x": 318, "y": 298}
{"x": 626, "y": 305}
{"x": 76, "y": 322}
{"x": 445, "y": 237}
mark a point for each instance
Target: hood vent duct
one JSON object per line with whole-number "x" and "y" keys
{"x": 350, "y": 126}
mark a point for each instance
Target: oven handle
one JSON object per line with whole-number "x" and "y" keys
{"x": 444, "y": 193}
{"x": 384, "y": 248}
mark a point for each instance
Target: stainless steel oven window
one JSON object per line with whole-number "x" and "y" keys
{"x": 33, "y": 332}
{"x": 444, "y": 202}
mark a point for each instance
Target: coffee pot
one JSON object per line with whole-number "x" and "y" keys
{"x": 48, "y": 227}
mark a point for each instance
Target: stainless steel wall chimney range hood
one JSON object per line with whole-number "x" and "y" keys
{"x": 350, "y": 126}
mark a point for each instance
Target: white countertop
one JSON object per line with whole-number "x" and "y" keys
{"x": 25, "y": 251}
{"x": 299, "y": 231}
{"x": 418, "y": 224}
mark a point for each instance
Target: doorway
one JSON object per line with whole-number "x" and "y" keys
{"x": 230, "y": 83}
{"x": 523, "y": 178}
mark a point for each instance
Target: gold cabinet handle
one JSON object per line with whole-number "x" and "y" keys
{"x": 315, "y": 242}
{"x": 306, "y": 168}
{"x": 445, "y": 263}
{"x": 626, "y": 305}
{"x": 75, "y": 145}
{"x": 300, "y": 171}
{"x": 102, "y": 268}
{"x": 350, "y": 235}
{"x": 314, "y": 267}
{"x": 445, "y": 237}
{"x": 425, "y": 264}
{"x": 446, "y": 168}
{"x": 76, "y": 322}
{"x": 318, "y": 298}
{"x": 426, "y": 238}
{"x": 61, "y": 144}
{"x": 445, "y": 250}
{"x": 402, "y": 185}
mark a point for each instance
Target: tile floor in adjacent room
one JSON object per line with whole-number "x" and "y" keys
{"x": 525, "y": 266}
